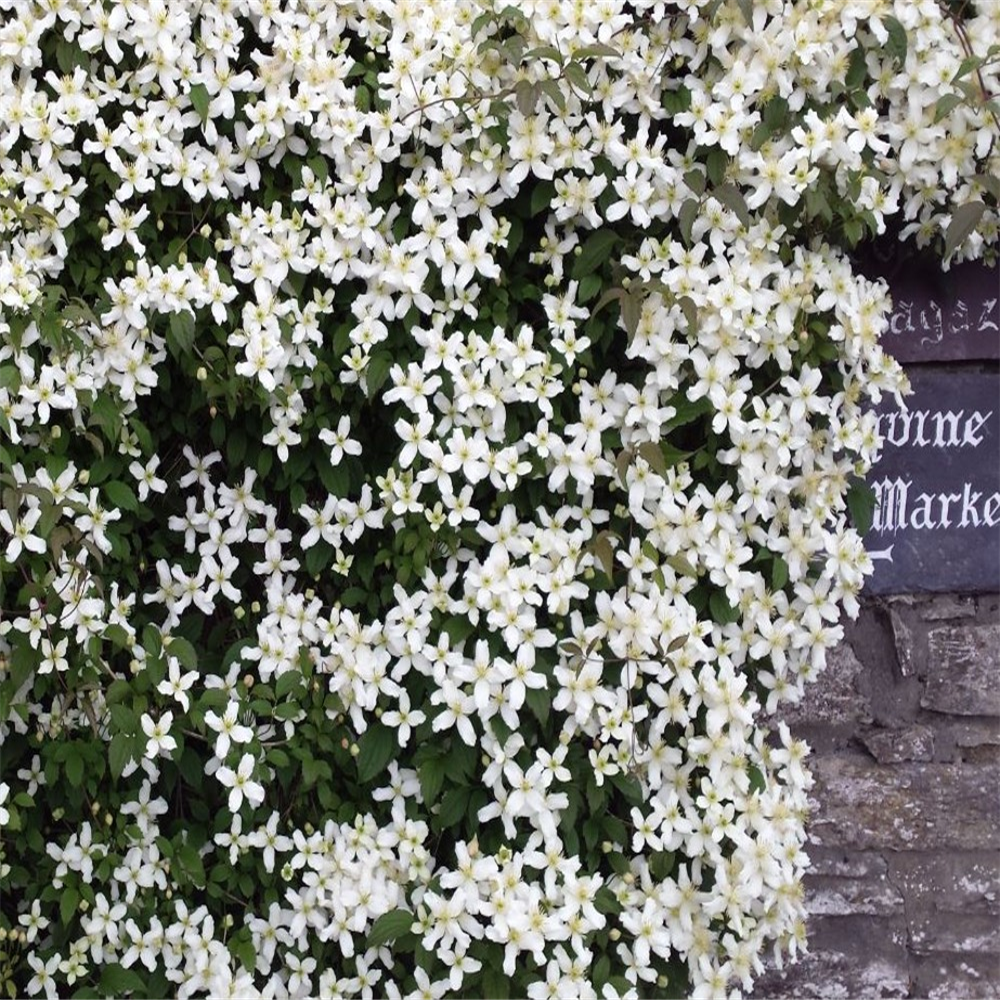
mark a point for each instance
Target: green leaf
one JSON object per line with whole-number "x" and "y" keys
{"x": 945, "y": 105}
{"x": 589, "y": 287}
{"x": 731, "y": 196}
{"x": 432, "y": 773}
{"x": 200, "y": 100}
{"x": 375, "y": 749}
{"x": 577, "y": 76}
{"x": 68, "y": 904}
{"x": 541, "y": 197}
{"x": 686, "y": 219}
{"x": 543, "y": 52}
{"x": 856, "y": 68}
{"x": 121, "y": 495}
{"x": 964, "y": 220}
{"x": 861, "y": 504}
{"x": 896, "y": 44}
{"x": 289, "y": 681}
{"x": 722, "y": 611}
{"x": 991, "y": 182}
{"x": 779, "y": 573}
{"x": 496, "y": 986}
{"x": 597, "y": 51}
{"x": 526, "y": 97}
{"x": 190, "y": 861}
{"x": 180, "y": 334}
{"x": 377, "y": 371}
{"x": 183, "y": 651}
{"x": 594, "y": 252}
{"x": 116, "y": 981}
{"x": 695, "y": 181}
{"x": 453, "y": 807}
{"x": 120, "y": 752}
{"x": 631, "y": 308}
{"x": 539, "y": 702}
{"x": 388, "y": 927}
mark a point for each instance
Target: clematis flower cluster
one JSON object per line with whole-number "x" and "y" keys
{"x": 432, "y": 439}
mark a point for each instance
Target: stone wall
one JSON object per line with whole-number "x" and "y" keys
{"x": 904, "y": 895}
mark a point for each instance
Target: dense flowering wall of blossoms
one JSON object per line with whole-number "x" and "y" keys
{"x": 432, "y": 441}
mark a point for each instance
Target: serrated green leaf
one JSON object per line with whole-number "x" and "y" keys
{"x": 121, "y": 495}
{"x": 68, "y": 903}
{"x": 454, "y": 806}
{"x": 695, "y": 182}
{"x": 731, "y": 196}
{"x": 577, "y": 76}
{"x": 861, "y": 505}
{"x": 964, "y": 220}
{"x": 991, "y": 182}
{"x": 543, "y": 52}
{"x": 594, "y": 252}
{"x": 375, "y": 749}
{"x": 686, "y": 219}
{"x": 432, "y": 774}
{"x": 389, "y": 926}
{"x": 896, "y": 44}
{"x": 597, "y": 50}
{"x": 183, "y": 651}
{"x": 120, "y": 752}
{"x": 289, "y": 681}
{"x": 200, "y": 100}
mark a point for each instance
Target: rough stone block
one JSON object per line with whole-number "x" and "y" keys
{"x": 839, "y": 863}
{"x": 835, "y": 698}
{"x": 906, "y": 645}
{"x": 892, "y": 746}
{"x": 943, "y": 607}
{"x": 838, "y": 897}
{"x": 956, "y": 977}
{"x": 948, "y": 882}
{"x": 959, "y": 933}
{"x": 904, "y": 807}
{"x": 963, "y": 670}
{"x": 849, "y": 958}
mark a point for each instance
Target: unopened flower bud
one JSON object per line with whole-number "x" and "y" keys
{"x": 108, "y": 819}
{"x": 206, "y": 230}
{"x": 255, "y": 607}
{"x": 615, "y": 934}
{"x": 212, "y": 411}
{"x": 182, "y": 258}
{"x": 56, "y": 432}
{"x": 201, "y": 374}
{"x": 130, "y": 266}
{"x": 355, "y": 750}
{"x": 577, "y": 250}
{"x": 227, "y": 921}
{"x": 84, "y": 906}
{"x": 84, "y": 477}
{"x": 607, "y": 847}
{"x": 159, "y": 225}
{"x": 248, "y": 681}
{"x": 240, "y": 613}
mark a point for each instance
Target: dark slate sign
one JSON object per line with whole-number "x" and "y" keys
{"x": 937, "y": 487}
{"x": 944, "y": 315}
